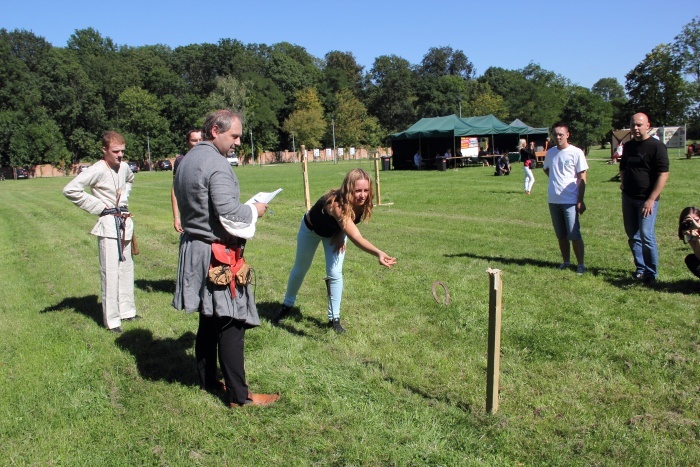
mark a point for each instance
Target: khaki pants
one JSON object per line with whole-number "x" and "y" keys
{"x": 117, "y": 282}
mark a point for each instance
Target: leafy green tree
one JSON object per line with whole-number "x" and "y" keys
{"x": 151, "y": 64}
{"x": 27, "y": 47}
{"x": 36, "y": 139}
{"x": 9, "y": 121}
{"x": 609, "y": 89}
{"x": 548, "y": 94}
{"x": 19, "y": 86}
{"x": 265, "y": 104}
{"x": 481, "y": 100}
{"x": 438, "y": 96}
{"x": 84, "y": 146}
{"x": 183, "y": 113}
{"x": 233, "y": 57}
{"x": 612, "y": 92}
{"x": 144, "y": 126}
{"x": 306, "y": 122}
{"x": 391, "y": 93}
{"x": 229, "y": 93}
{"x": 353, "y": 126}
{"x": 340, "y": 71}
{"x": 588, "y": 115}
{"x": 532, "y": 94}
{"x": 68, "y": 94}
{"x": 292, "y": 69}
{"x": 197, "y": 66}
{"x": 656, "y": 87}
{"x": 687, "y": 48}
{"x": 100, "y": 60}
{"x": 443, "y": 61}
{"x": 89, "y": 42}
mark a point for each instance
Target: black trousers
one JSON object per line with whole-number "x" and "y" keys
{"x": 693, "y": 264}
{"x": 227, "y": 336}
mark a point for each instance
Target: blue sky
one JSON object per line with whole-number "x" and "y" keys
{"x": 583, "y": 41}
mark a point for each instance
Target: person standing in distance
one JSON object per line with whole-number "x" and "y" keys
{"x": 566, "y": 167}
{"x": 191, "y": 139}
{"x": 527, "y": 155}
{"x": 643, "y": 176}
{"x": 208, "y": 198}
{"x": 110, "y": 181}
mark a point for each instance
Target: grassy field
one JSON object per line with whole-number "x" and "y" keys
{"x": 595, "y": 370}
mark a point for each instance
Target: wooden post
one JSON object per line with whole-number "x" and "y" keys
{"x": 494, "y": 340}
{"x": 305, "y": 172}
{"x": 377, "y": 188}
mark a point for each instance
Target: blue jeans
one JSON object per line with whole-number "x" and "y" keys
{"x": 307, "y": 243}
{"x": 565, "y": 221}
{"x": 641, "y": 236}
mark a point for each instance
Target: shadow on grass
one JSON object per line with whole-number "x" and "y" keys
{"x": 161, "y": 359}
{"x": 428, "y": 396}
{"x": 685, "y": 286}
{"x": 87, "y": 305}
{"x": 498, "y": 259}
{"x": 268, "y": 311}
{"x": 162, "y": 285}
{"x": 617, "y": 277}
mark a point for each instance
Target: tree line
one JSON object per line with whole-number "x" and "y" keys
{"x": 55, "y": 102}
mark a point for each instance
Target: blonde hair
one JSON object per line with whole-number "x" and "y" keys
{"x": 345, "y": 196}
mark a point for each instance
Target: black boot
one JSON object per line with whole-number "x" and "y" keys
{"x": 337, "y": 327}
{"x": 282, "y": 313}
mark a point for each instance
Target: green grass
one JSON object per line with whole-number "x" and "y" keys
{"x": 595, "y": 370}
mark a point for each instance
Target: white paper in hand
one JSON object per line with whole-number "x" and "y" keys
{"x": 264, "y": 197}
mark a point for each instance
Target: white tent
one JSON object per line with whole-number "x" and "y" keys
{"x": 672, "y": 136}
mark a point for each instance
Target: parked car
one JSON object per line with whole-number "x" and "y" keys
{"x": 164, "y": 165}
{"x": 233, "y": 160}
{"x": 22, "y": 173}
{"x": 133, "y": 166}
{"x": 83, "y": 167}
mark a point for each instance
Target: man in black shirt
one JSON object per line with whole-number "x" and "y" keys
{"x": 643, "y": 175}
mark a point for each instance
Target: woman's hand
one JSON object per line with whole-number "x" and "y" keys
{"x": 386, "y": 260}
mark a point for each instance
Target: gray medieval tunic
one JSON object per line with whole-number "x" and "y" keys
{"x": 210, "y": 209}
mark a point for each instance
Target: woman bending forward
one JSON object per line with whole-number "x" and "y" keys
{"x": 331, "y": 221}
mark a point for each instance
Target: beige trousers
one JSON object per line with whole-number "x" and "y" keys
{"x": 117, "y": 282}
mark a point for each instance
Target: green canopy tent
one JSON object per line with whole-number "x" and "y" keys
{"x": 432, "y": 136}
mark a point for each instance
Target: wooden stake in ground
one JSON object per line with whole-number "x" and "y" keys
{"x": 494, "y": 344}
{"x": 305, "y": 172}
{"x": 377, "y": 188}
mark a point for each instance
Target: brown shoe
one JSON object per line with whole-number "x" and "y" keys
{"x": 257, "y": 399}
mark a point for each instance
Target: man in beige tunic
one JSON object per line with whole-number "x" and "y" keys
{"x": 110, "y": 181}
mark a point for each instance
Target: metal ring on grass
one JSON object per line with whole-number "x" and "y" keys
{"x": 447, "y": 293}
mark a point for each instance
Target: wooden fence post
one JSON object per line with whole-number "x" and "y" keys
{"x": 494, "y": 340}
{"x": 305, "y": 172}
{"x": 376, "y": 180}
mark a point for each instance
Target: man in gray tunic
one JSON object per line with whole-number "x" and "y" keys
{"x": 208, "y": 197}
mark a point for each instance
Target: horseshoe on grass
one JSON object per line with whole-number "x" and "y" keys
{"x": 447, "y": 293}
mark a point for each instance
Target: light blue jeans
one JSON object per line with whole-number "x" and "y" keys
{"x": 307, "y": 243}
{"x": 641, "y": 235}
{"x": 565, "y": 221}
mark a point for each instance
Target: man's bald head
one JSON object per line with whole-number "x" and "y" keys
{"x": 639, "y": 126}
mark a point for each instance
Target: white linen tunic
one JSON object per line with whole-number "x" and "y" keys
{"x": 106, "y": 185}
